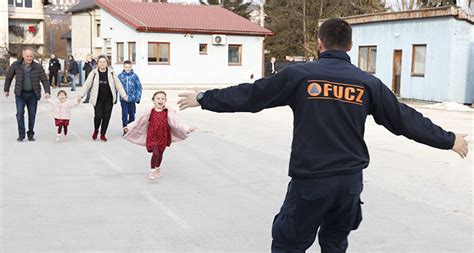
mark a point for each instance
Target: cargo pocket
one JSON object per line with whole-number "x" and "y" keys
{"x": 283, "y": 229}
{"x": 356, "y": 214}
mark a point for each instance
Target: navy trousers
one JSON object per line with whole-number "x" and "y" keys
{"x": 328, "y": 207}
{"x": 128, "y": 112}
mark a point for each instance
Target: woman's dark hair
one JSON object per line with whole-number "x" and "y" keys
{"x": 158, "y": 92}
{"x": 104, "y": 57}
{"x": 63, "y": 92}
{"x": 336, "y": 34}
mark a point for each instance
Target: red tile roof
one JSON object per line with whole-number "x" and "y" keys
{"x": 165, "y": 17}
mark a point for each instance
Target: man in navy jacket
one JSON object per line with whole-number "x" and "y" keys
{"x": 330, "y": 99}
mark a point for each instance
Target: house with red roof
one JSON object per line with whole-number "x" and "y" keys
{"x": 183, "y": 44}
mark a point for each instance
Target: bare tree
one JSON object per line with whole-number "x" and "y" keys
{"x": 296, "y": 22}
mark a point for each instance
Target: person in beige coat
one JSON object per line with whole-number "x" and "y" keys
{"x": 103, "y": 83}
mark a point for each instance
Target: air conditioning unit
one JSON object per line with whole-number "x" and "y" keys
{"x": 219, "y": 39}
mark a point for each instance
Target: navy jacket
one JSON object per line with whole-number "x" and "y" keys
{"x": 330, "y": 99}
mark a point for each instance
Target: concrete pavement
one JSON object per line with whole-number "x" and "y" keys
{"x": 220, "y": 188}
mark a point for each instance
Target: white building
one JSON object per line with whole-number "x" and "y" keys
{"x": 3, "y": 28}
{"x": 425, "y": 54}
{"x": 183, "y": 44}
{"x": 85, "y": 30}
{"x": 21, "y": 24}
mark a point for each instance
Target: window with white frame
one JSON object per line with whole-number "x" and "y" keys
{"x": 21, "y": 3}
{"x": 132, "y": 52}
{"x": 120, "y": 55}
{"x": 159, "y": 52}
{"x": 418, "y": 60}
{"x": 202, "y": 48}
{"x": 368, "y": 58}
{"x": 235, "y": 55}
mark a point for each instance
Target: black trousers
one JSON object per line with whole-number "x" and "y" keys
{"x": 53, "y": 74}
{"x": 102, "y": 113}
{"x": 328, "y": 207}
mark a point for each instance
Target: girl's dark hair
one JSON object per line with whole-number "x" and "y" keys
{"x": 158, "y": 92}
{"x": 63, "y": 92}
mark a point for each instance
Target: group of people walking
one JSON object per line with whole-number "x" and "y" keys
{"x": 330, "y": 98}
{"x": 71, "y": 71}
{"x": 102, "y": 88}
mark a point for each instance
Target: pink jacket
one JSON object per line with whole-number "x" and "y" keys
{"x": 137, "y": 130}
{"x": 63, "y": 110}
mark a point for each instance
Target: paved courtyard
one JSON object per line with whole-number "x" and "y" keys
{"x": 219, "y": 190}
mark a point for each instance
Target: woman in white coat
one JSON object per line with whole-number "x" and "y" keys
{"x": 103, "y": 83}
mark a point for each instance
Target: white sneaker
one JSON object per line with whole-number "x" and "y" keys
{"x": 153, "y": 174}
{"x": 65, "y": 138}
{"x": 157, "y": 173}
{"x": 58, "y": 137}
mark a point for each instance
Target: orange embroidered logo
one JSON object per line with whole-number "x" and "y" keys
{"x": 314, "y": 89}
{"x": 347, "y": 93}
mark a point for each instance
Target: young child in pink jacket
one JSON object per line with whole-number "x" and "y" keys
{"x": 156, "y": 130}
{"x": 62, "y": 112}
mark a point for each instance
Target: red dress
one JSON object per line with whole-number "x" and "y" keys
{"x": 158, "y": 132}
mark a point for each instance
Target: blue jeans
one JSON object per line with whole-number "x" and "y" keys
{"x": 73, "y": 82}
{"x": 128, "y": 112}
{"x": 29, "y": 100}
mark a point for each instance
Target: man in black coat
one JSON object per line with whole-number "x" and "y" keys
{"x": 271, "y": 67}
{"x": 73, "y": 71}
{"x": 54, "y": 67}
{"x": 89, "y": 65}
{"x": 27, "y": 90}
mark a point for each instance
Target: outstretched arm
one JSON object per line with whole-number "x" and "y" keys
{"x": 277, "y": 90}
{"x": 401, "y": 119}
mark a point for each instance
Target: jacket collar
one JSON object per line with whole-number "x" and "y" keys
{"x": 33, "y": 63}
{"x": 128, "y": 74}
{"x": 336, "y": 54}
{"x": 98, "y": 71}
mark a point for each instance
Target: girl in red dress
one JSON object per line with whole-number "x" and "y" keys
{"x": 156, "y": 130}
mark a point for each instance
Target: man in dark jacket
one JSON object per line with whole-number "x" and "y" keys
{"x": 27, "y": 90}
{"x": 89, "y": 65}
{"x": 54, "y": 67}
{"x": 330, "y": 100}
{"x": 271, "y": 67}
{"x": 73, "y": 71}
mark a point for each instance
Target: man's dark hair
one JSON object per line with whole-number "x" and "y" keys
{"x": 127, "y": 62}
{"x": 336, "y": 34}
